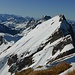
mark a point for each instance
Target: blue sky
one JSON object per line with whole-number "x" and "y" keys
{"x": 38, "y": 8}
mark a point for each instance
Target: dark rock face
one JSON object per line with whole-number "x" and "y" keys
{"x": 67, "y": 29}
{"x": 12, "y": 59}
{"x": 1, "y": 40}
{"x": 11, "y": 62}
{"x": 61, "y": 45}
{"x": 62, "y": 17}
{"x": 17, "y": 65}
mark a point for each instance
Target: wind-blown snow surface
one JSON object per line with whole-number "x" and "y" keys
{"x": 36, "y": 36}
{"x": 30, "y": 43}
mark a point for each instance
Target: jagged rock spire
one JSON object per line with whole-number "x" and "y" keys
{"x": 62, "y": 17}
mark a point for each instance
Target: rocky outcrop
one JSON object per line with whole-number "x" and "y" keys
{"x": 1, "y": 40}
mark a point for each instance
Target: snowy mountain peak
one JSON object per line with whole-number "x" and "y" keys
{"x": 40, "y": 47}
{"x": 45, "y": 17}
{"x": 62, "y": 17}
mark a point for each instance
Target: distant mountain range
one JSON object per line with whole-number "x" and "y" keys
{"x": 13, "y": 24}
{"x": 14, "y": 18}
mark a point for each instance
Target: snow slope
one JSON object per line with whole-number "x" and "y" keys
{"x": 41, "y": 31}
{"x": 36, "y": 48}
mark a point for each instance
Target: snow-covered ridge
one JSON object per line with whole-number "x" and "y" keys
{"x": 37, "y": 48}
{"x": 41, "y": 31}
